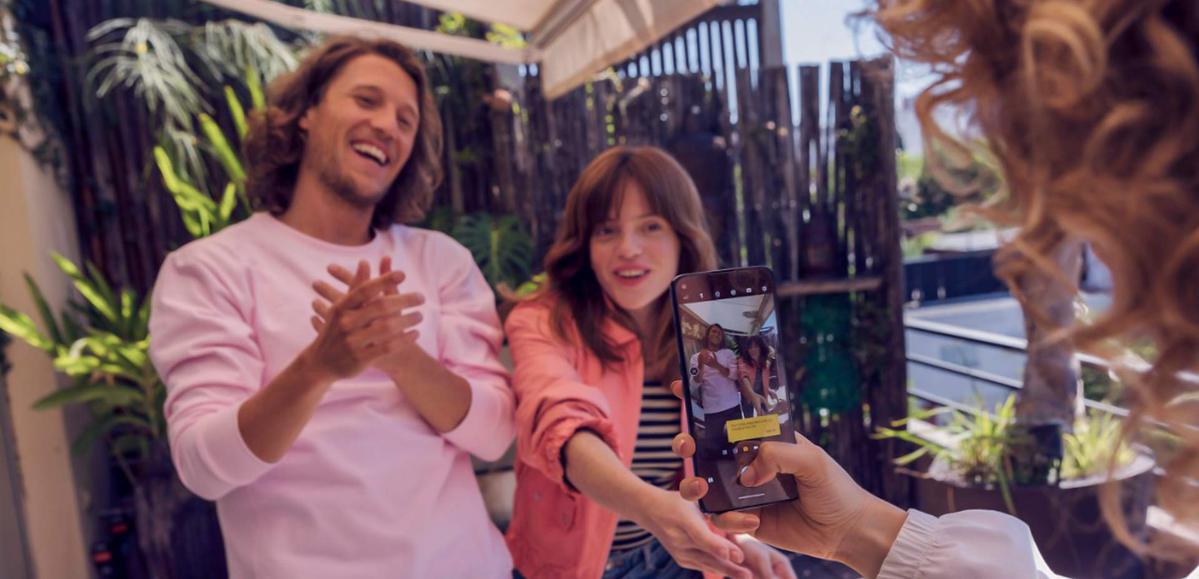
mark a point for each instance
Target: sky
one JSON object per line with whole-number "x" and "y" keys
{"x": 816, "y": 31}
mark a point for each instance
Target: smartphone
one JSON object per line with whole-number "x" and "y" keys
{"x": 735, "y": 385}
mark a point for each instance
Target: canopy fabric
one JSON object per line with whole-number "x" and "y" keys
{"x": 570, "y": 40}
{"x": 741, "y": 315}
{"x": 609, "y": 32}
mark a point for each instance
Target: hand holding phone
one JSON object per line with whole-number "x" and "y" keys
{"x": 835, "y": 519}
{"x": 727, "y": 335}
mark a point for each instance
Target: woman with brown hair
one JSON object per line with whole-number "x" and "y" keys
{"x": 593, "y": 353}
{"x": 1092, "y": 109}
{"x": 754, "y": 364}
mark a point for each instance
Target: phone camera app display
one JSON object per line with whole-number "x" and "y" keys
{"x": 737, "y": 390}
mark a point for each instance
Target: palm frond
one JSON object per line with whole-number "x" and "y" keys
{"x": 186, "y": 152}
{"x": 43, "y": 309}
{"x": 143, "y": 56}
{"x": 234, "y": 46}
{"x": 501, "y": 247}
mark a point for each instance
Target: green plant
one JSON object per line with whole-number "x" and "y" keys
{"x": 917, "y": 245}
{"x": 982, "y": 445}
{"x": 457, "y": 24}
{"x": 169, "y": 65}
{"x": 972, "y": 181}
{"x": 499, "y": 245}
{"x": 235, "y": 46}
{"x": 13, "y": 65}
{"x": 145, "y": 57}
{"x": 1089, "y": 449}
{"x": 530, "y": 287}
{"x": 979, "y": 452}
{"x": 102, "y": 345}
{"x": 204, "y": 214}
{"x": 20, "y": 118}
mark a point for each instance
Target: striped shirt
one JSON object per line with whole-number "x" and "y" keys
{"x": 653, "y": 460}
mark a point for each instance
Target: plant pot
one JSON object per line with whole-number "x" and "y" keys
{"x": 178, "y": 534}
{"x": 1066, "y": 520}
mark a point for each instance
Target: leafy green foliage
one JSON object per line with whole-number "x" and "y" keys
{"x": 969, "y": 182}
{"x": 1089, "y": 449}
{"x": 499, "y": 245}
{"x": 102, "y": 345}
{"x": 530, "y": 287}
{"x": 236, "y": 46}
{"x": 144, "y": 55}
{"x": 204, "y": 214}
{"x": 916, "y": 246}
{"x": 170, "y": 66}
{"x": 984, "y": 445}
{"x": 201, "y": 215}
{"x": 980, "y": 453}
{"x": 505, "y": 36}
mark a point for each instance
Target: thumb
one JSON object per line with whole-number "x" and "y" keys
{"x": 803, "y": 460}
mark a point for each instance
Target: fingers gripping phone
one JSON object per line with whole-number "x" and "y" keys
{"x": 735, "y": 389}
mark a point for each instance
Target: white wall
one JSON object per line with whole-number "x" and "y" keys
{"x": 35, "y": 218}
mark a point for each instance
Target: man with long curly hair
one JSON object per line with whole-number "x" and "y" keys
{"x": 329, "y": 370}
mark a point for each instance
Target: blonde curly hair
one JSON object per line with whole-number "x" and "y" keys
{"x": 1091, "y": 108}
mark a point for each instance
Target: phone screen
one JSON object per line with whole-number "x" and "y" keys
{"x": 735, "y": 384}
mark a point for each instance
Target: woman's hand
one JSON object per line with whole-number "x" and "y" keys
{"x": 760, "y": 404}
{"x": 833, "y": 518}
{"x": 681, "y": 529}
{"x": 764, "y": 561}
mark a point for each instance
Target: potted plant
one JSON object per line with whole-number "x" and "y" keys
{"x": 968, "y": 460}
{"x": 101, "y": 346}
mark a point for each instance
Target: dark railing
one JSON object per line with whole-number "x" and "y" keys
{"x": 990, "y": 340}
{"x": 936, "y": 277}
{"x": 1161, "y": 523}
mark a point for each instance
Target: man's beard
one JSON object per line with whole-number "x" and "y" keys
{"x": 343, "y": 186}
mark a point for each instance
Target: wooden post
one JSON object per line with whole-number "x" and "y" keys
{"x": 749, "y": 153}
{"x": 888, "y": 400}
{"x": 781, "y": 188}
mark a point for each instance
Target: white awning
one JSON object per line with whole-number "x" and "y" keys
{"x": 570, "y": 40}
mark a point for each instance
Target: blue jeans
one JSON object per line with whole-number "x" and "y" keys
{"x": 647, "y": 561}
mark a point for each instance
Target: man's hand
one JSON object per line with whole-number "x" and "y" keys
{"x": 358, "y": 328}
{"x": 440, "y": 396}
